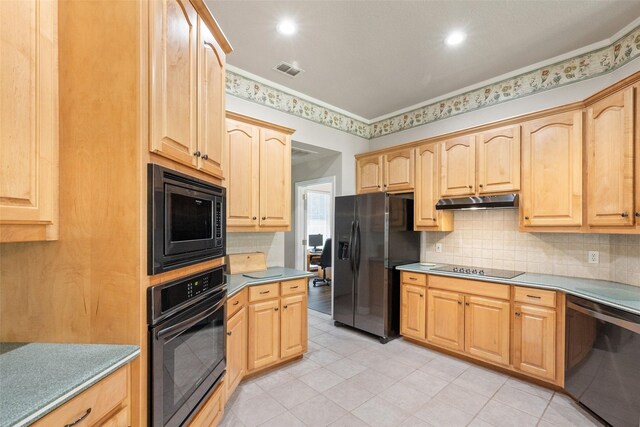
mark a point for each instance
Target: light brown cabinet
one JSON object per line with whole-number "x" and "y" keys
{"x": 236, "y": 349}
{"x": 187, "y": 88}
{"x": 264, "y": 334}
{"x": 293, "y": 325}
{"x": 427, "y": 192}
{"x": 552, "y": 171}
{"x": 29, "y": 130}
{"x": 487, "y": 329}
{"x": 445, "y": 319}
{"x": 499, "y": 160}
{"x": 398, "y": 170}
{"x": 211, "y": 413}
{"x": 369, "y": 174}
{"x": 534, "y": 336}
{"x": 458, "y": 166}
{"x": 610, "y": 161}
{"x": 413, "y": 308}
{"x": 259, "y": 183}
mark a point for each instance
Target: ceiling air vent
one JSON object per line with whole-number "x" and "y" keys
{"x": 288, "y": 69}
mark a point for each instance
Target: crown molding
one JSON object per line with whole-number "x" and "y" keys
{"x": 590, "y": 61}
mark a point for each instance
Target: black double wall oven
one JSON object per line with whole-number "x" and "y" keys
{"x": 186, "y": 316}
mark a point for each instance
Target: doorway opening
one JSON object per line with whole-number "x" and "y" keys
{"x": 314, "y": 207}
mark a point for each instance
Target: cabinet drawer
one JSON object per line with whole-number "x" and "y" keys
{"x": 473, "y": 287}
{"x": 293, "y": 287}
{"x": 212, "y": 411}
{"x": 414, "y": 278}
{"x": 263, "y": 292}
{"x": 100, "y": 398}
{"x": 236, "y": 302}
{"x": 535, "y": 296}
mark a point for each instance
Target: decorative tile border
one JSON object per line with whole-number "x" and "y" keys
{"x": 572, "y": 70}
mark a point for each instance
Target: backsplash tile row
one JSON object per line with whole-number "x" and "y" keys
{"x": 272, "y": 244}
{"x": 490, "y": 239}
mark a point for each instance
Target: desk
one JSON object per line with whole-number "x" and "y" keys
{"x": 315, "y": 256}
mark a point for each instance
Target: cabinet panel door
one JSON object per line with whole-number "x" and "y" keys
{"x": 211, "y": 61}
{"x": 264, "y": 334}
{"x": 499, "y": 160}
{"x": 174, "y": 49}
{"x": 293, "y": 325}
{"x": 426, "y": 194}
{"x": 487, "y": 329}
{"x": 398, "y": 170}
{"x": 29, "y": 112}
{"x": 413, "y": 306}
{"x": 275, "y": 179}
{"x": 534, "y": 336}
{"x": 445, "y": 319}
{"x": 610, "y": 160}
{"x": 243, "y": 193}
{"x": 552, "y": 171}
{"x": 369, "y": 175}
{"x": 236, "y": 349}
{"x": 458, "y": 165}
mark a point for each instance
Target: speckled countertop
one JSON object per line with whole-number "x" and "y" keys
{"x": 236, "y": 282}
{"x": 614, "y": 294}
{"x": 36, "y": 378}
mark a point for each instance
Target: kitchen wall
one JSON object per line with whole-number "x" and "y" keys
{"x": 490, "y": 239}
{"x": 272, "y": 244}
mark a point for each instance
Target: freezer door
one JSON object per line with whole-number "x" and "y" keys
{"x": 370, "y": 297}
{"x": 343, "y": 269}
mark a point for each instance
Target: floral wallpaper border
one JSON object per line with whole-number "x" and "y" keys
{"x": 572, "y": 70}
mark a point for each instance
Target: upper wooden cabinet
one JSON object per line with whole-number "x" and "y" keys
{"x": 427, "y": 191}
{"x": 499, "y": 160}
{"x": 29, "y": 123}
{"x": 187, "y": 87}
{"x": 552, "y": 171}
{"x": 610, "y": 161}
{"x": 369, "y": 174}
{"x": 398, "y": 168}
{"x": 458, "y": 165}
{"x": 259, "y": 183}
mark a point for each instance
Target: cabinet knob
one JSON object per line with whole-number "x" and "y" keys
{"x": 229, "y": 333}
{"x": 638, "y": 214}
{"x": 466, "y": 303}
{"x": 471, "y": 186}
{"x": 255, "y": 217}
{"x": 624, "y": 214}
{"x": 421, "y": 295}
{"x": 275, "y": 309}
{"x": 196, "y": 153}
{"x": 517, "y": 314}
{"x": 378, "y": 186}
{"x": 285, "y": 306}
{"x": 526, "y": 217}
{"x": 459, "y": 302}
{"x": 481, "y": 185}
{"x": 264, "y": 217}
{"x": 205, "y": 157}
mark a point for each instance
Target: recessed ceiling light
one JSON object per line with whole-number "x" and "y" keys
{"x": 287, "y": 27}
{"x": 455, "y": 38}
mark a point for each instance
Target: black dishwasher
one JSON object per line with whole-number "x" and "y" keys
{"x": 603, "y": 361}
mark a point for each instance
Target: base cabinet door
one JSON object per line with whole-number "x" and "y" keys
{"x": 487, "y": 329}
{"x": 534, "y": 336}
{"x": 236, "y": 349}
{"x": 264, "y": 334}
{"x": 293, "y": 325}
{"x": 413, "y": 307}
{"x": 445, "y": 319}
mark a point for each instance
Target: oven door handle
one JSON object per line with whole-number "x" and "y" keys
{"x": 189, "y": 322}
{"x": 633, "y": 327}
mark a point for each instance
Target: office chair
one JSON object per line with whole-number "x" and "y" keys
{"x": 325, "y": 261}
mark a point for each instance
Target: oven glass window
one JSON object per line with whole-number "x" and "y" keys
{"x": 189, "y": 357}
{"x": 191, "y": 218}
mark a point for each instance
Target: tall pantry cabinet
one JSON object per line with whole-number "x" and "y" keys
{"x": 139, "y": 82}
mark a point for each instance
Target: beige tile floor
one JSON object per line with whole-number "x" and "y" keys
{"x": 349, "y": 379}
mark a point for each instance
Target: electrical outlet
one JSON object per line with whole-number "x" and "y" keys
{"x": 438, "y": 247}
{"x": 594, "y": 257}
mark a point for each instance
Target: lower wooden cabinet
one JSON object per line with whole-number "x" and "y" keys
{"x": 534, "y": 336}
{"x": 487, "y": 329}
{"x": 236, "y": 349}
{"x": 445, "y": 319}
{"x": 104, "y": 403}
{"x": 293, "y": 325}
{"x": 264, "y": 334}
{"x": 413, "y": 303}
{"x": 211, "y": 413}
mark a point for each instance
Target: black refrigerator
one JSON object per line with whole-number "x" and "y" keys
{"x": 373, "y": 234}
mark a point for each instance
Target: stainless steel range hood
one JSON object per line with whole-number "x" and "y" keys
{"x": 481, "y": 202}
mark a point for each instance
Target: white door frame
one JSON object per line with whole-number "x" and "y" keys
{"x": 300, "y": 223}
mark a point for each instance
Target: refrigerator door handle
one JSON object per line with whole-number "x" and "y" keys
{"x": 351, "y": 241}
{"x": 357, "y": 247}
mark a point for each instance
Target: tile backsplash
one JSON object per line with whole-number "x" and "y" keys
{"x": 490, "y": 239}
{"x": 272, "y": 244}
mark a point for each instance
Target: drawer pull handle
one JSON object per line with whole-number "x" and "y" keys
{"x": 86, "y": 414}
{"x": 294, "y": 287}
{"x": 229, "y": 333}
{"x": 534, "y": 296}
{"x": 264, "y": 292}
{"x": 236, "y": 303}
{"x": 413, "y": 278}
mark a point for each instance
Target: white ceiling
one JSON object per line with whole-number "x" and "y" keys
{"x": 372, "y": 58}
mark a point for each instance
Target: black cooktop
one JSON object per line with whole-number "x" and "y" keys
{"x": 477, "y": 271}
